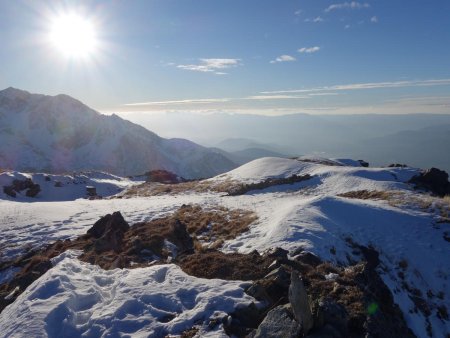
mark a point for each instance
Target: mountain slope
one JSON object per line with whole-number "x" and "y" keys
{"x": 342, "y": 213}
{"x": 58, "y": 134}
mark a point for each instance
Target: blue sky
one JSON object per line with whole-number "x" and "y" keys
{"x": 256, "y": 56}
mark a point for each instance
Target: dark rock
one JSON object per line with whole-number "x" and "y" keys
{"x": 433, "y": 180}
{"x": 163, "y": 176}
{"x": 33, "y": 190}
{"x": 278, "y": 253}
{"x": 184, "y": 241}
{"x": 58, "y": 184}
{"x": 279, "y": 322}
{"x": 20, "y": 185}
{"x": 47, "y": 178}
{"x": 300, "y": 303}
{"x": 326, "y": 331}
{"x": 108, "y": 222}
{"x": 335, "y": 315}
{"x": 363, "y": 163}
{"x": 9, "y": 190}
{"x": 371, "y": 256}
{"x": 397, "y": 165}
{"x": 308, "y": 258}
{"x": 243, "y": 321}
{"x": 109, "y": 231}
{"x": 91, "y": 191}
{"x": 279, "y": 276}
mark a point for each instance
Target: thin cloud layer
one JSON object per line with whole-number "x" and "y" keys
{"x": 309, "y": 50}
{"x": 284, "y": 58}
{"x": 212, "y": 65}
{"x": 372, "y": 85}
{"x": 347, "y": 5}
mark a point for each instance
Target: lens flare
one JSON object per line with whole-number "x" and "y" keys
{"x": 73, "y": 35}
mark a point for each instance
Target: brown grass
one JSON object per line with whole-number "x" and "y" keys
{"x": 216, "y": 224}
{"x": 227, "y": 186}
{"x": 433, "y": 204}
{"x": 232, "y": 266}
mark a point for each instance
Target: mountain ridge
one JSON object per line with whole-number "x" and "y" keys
{"x": 59, "y": 133}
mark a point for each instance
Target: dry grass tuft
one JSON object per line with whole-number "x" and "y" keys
{"x": 217, "y": 224}
{"x": 233, "y": 266}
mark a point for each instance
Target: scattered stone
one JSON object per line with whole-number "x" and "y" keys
{"x": 363, "y": 163}
{"x": 397, "y": 165}
{"x": 279, "y": 322}
{"x": 91, "y": 191}
{"x": 300, "y": 303}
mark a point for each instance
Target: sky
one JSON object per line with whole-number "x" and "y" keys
{"x": 267, "y": 57}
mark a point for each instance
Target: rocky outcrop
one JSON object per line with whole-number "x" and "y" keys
{"x": 433, "y": 180}
{"x": 17, "y": 186}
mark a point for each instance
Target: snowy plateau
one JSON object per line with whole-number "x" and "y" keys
{"x": 332, "y": 211}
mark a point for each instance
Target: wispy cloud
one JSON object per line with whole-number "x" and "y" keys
{"x": 275, "y": 97}
{"x": 374, "y": 19}
{"x": 371, "y": 85}
{"x": 323, "y": 94}
{"x": 298, "y": 12}
{"x": 315, "y": 20}
{"x": 212, "y": 65}
{"x": 177, "y": 102}
{"x": 347, "y": 5}
{"x": 283, "y": 58}
{"x": 309, "y": 50}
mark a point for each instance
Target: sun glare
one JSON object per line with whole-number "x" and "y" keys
{"x": 73, "y": 36}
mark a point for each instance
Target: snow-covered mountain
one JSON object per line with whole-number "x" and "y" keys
{"x": 365, "y": 241}
{"x": 60, "y": 134}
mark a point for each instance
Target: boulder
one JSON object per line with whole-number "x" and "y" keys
{"x": 279, "y": 322}
{"x": 300, "y": 303}
{"x": 108, "y": 222}
{"x": 433, "y": 180}
{"x": 109, "y": 231}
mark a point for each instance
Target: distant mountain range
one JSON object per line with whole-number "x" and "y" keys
{"x": 420, "y": 140}
{"x": 59, "y": 134}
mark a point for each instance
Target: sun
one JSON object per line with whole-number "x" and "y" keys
{"x": 73, "y": 35}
